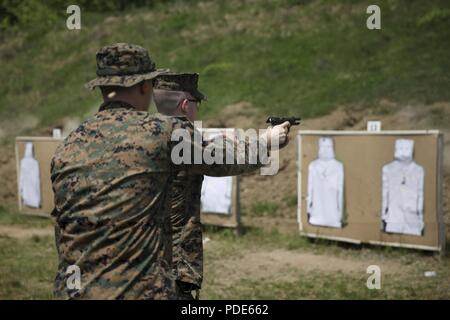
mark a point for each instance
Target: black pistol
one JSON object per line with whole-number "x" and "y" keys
{"x": 279, "y": 120}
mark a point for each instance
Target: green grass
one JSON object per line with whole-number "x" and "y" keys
{"x": 264, "y": 208}
{"x": 285, "y": 57}
{"x": 439, "y": 118}
{"x": 8, "y": 217}
{"x": 315, "y": 285}
{"x": 251, "y": 236}
{"x": 27, "y": 268}
{"x": 410, "y": 284}
{"x": 320, "y": 285}
{"x": 290, "y": 200}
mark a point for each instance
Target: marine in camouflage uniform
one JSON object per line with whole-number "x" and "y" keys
{"x": 186, "y": 194}
{"x": 187, "y": 233}
{"x": 112, "y": 179}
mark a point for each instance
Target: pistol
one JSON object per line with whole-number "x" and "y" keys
{"x": 279, "y": 120}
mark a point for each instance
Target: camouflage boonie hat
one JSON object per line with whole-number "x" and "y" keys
{"x": 123, "y": 65}
{"x": 187, "y": 82}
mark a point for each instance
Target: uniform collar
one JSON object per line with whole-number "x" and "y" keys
{"x": 115, "y": 104}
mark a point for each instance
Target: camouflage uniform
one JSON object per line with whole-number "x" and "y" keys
{"x": 186, "y": 194}
{"x": 112, "y": 178}
{"x": 187, "y": 233}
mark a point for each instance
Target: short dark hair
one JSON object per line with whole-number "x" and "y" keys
{"x": 106, "y": 90}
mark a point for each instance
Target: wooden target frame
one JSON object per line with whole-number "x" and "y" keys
{"x": 44, "y": 148}
{"x": 362, "y": 186}
{"x": 232, "y": 220}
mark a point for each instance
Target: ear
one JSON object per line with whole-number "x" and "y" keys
{"x": 145, "y": 87}
{"x": 184, "y": 105}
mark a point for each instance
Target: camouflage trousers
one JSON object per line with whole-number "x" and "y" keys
{"x": 182, "y": 294}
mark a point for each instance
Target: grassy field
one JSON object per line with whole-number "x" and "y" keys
{"x": 256, "y": 265}
{"x": 27, "y": 268}
{"x": 272, "y": 265}
{"x": 286, "y": 56}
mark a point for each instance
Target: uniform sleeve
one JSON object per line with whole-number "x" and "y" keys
{"x": 218, "y": 157}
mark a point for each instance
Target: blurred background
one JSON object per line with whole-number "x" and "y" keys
{"x": 310, "y": 58}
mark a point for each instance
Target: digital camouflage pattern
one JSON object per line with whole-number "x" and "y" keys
{"x": 187, "y": 229}
{"x": 187, "y": 82}
{"x": 124, "y": 65}
{"x": 112, "y": 178}
{"x": 186, "y": 194}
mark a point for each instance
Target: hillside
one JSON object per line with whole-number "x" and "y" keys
{"x": 286, "y": 57}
